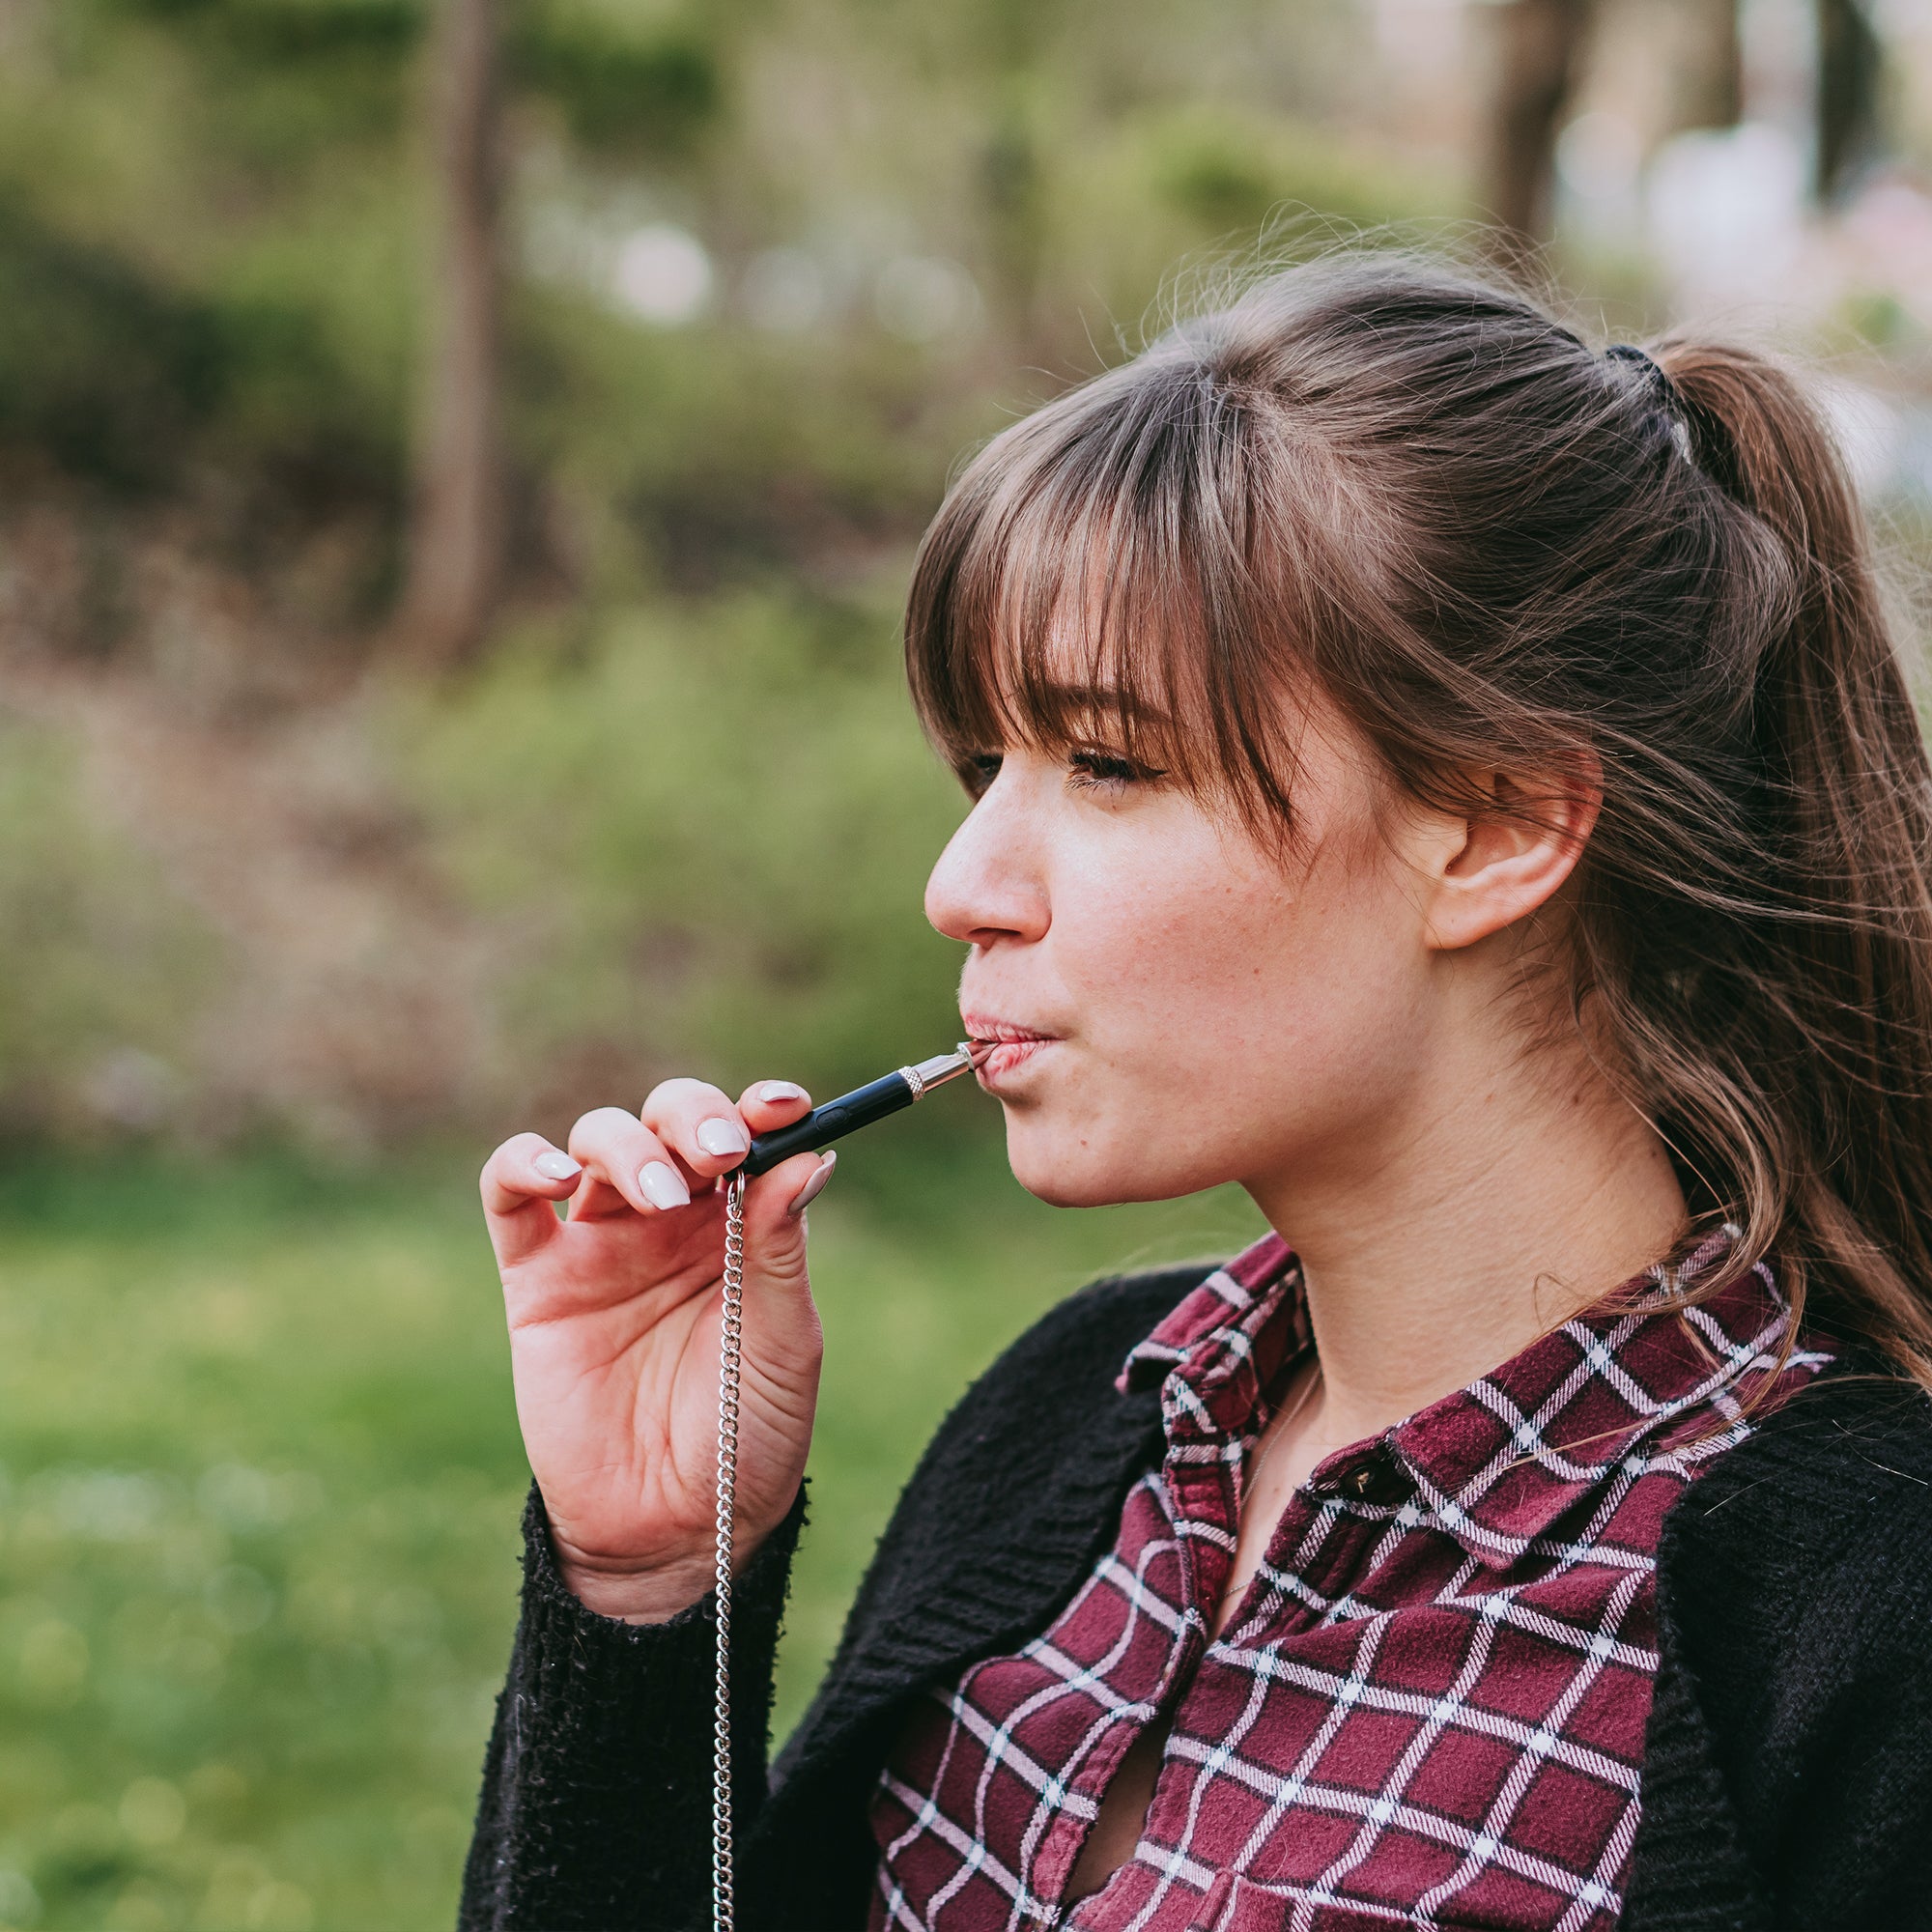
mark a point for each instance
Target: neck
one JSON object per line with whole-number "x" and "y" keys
{"x": 1496, "y": 1202}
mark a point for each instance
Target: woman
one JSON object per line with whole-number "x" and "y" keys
{"x": 1461, "y": 786}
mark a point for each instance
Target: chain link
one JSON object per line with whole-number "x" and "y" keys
{"x": 723, "y": 1905}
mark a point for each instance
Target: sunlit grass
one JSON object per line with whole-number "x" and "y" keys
{"x": 258, "y": 1527}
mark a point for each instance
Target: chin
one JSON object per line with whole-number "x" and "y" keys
{"x": 1067, "y": 1170}
{"x": 1062, "y": 1189}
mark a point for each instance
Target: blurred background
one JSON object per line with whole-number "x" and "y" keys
{"x": 459, "y": 463}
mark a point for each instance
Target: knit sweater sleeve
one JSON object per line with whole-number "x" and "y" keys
{"x": 595, "y": 1810}
{"x": 1788, "y": 1780}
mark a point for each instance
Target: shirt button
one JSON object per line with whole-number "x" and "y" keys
{"x": 1376, "y": 1479}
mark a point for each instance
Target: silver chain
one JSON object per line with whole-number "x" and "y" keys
{"x": 722, "y": 1906}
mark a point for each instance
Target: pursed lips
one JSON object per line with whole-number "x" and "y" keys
{"x": 1016, "y": 1045}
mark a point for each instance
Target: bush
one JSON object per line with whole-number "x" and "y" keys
{"x": 105, "y": 968}
{"x": 101, "y": 370}
{"x": 702, "y": 837}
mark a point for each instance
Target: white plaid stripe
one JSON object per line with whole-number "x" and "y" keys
{"x": 1004, "y": 1756}
{"x": 1537, "y": 1546}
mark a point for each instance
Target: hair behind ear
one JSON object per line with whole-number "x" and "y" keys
{"x": 1848, "y": 803}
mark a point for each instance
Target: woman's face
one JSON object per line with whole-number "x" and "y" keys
{"x": 1183, "y": 1006}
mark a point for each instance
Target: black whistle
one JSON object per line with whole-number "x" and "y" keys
{"x": 864, "y": 1105}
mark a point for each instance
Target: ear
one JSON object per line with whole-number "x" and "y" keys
{"x": 1512, "y": 854}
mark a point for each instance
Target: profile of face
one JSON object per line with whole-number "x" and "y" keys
{"x": 1184, "y": 1003}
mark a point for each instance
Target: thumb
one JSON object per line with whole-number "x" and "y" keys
{"x": 778, "y": 1287}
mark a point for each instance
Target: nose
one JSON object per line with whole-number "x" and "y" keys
{"x": 989, "y": 883}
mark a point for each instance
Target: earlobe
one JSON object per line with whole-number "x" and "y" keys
{"x": 1519, "y": 848}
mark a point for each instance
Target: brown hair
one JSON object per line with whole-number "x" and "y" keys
{"x": 1494, "y": 547}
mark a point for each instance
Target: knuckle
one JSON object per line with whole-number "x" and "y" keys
{"x": 685, "y": 1099}
{"x": 507, "y": 1153}
{"x": 601, "y": 1123}
{"x": 671, "y": 1093}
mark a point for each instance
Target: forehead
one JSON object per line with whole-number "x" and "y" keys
{"x": 1059, "y": 624}
{"x": 1099, "y": 571}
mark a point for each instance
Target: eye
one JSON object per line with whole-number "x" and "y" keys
{"x": 1091, "y": 770}
{"x": 977, "y": 772}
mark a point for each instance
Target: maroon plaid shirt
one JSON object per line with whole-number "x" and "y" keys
{"x": 1428, "y": 1708}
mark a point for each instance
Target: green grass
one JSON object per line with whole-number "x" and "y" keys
{"x": 262, "y": 1480}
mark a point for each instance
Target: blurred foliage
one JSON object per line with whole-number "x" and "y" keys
{"x": 106, "y": 970}
{"x": 100, "y": 368}
{"x": 725, "y": 457}
{"x": 631, "y": 89}
{"x": 211, "y": 219}
{"x": 1233, "y": 174}
{"x": 706, "y": 835}
{"x": 258, "y": 1473}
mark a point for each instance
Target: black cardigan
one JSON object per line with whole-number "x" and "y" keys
{"x": 1787, "y": 1777}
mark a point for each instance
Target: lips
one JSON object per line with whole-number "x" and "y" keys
{"x": 1016, "y": 1046}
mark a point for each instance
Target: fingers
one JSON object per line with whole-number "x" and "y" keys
{"x": 519, "y": 1182}
{"x": 619, "y": 1162}
{"x": 813, "y": 1185}
{"x": 708, "y": 1131}
{"x": 775, "y": 1205}
{"x": 629, "y": 1167}
{"x": 766, "y": 1104}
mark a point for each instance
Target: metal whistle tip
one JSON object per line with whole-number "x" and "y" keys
{"x": 966, "y": 1058}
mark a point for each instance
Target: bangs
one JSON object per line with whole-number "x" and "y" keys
{"x": 1092, "y": 578}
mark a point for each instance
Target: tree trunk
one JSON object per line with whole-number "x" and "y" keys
{"x": 1849, "y": 63}
{"x": 1010, "y": 172}
{"x": 1711, "y": 90}
{"x": 1541, "y": 43}
{"x": 455, "y": 562}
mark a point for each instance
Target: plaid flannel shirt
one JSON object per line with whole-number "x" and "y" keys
{"x": 1428, "y": 1708}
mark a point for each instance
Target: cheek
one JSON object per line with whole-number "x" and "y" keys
{"x": 1232, "y": 954}
{"x": 1231, "y": 1014}
{"x": 1148, "y": 950}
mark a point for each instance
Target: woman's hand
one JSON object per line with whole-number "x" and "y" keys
{"x": 614, "y": 1327}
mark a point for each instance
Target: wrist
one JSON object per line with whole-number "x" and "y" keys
{"x": 651, "y": 1594}
{"x": 626, "y": 1594}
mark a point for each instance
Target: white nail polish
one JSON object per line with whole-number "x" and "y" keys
{"x": 775, "y": 1090}
{"x": 815, "y": 1184}
{"x": 555, "y": 1166}
{"x": 663, "y": 1186}
{"x": 723, "y": 1137}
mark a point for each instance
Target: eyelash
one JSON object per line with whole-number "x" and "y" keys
{"x": 1094, "y": 771}
{"x": 977, "y": 774}
{"x": 1089, "y": 770}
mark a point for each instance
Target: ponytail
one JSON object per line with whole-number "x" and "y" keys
{"x": 1841, "y": 1163}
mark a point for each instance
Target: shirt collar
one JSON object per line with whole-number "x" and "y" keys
{"x": 1233, "y": 1300}
{"x": 1638, "y": 1379}
{"x": 1637, "y": 1383}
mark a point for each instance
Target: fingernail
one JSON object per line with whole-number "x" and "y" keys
{"x": 554, "y": 1166}
{"x": 775, "y": 1090}
{"x": 814, "y": 1185}
{"x": 721, "y": 1136}
{"x": 663, "y": 1186}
